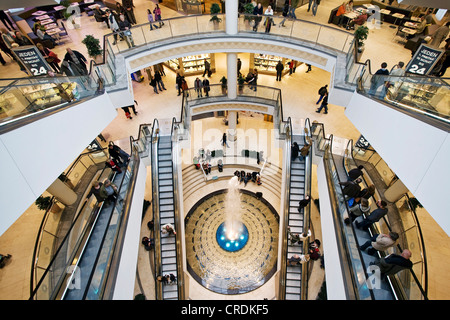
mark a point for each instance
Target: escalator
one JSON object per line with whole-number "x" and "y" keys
{"x": 103, "y": 223}
{"x": 295, "y": 222}
{"x": 167, "y": 215}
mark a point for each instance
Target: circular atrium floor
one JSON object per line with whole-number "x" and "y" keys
{"x": 227, "y": 271}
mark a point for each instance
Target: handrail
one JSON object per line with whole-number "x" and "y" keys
{"x": 155, "y": 206}
{"x": 177, "y": 213}
{"x": 33, "y": 293}
{"x": 418, "y": 283}
{"x": 307, "y": 209}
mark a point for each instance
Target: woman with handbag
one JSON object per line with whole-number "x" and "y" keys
{"x": 157, "y": 13}
{"x": 49, "y": 56}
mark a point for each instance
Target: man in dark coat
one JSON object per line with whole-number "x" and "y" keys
{"x": 374, "y": 216}
{"x": 355, "y": 173}
{"x": 279, "y": 67}
{"x": 394, "y": 263}
{"x": 351, "y": 188}
{"x": 76, "y": 58}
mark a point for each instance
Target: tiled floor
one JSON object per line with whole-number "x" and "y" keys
{"x": 19, "y": 239}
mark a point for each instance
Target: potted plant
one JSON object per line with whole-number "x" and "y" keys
{"x": 215, "y": 9}
{"x": 93, "y": 47}
{"x": 45, "y": 203}
{"x": 248, "y": 11}
{"x": 361, "y": 34}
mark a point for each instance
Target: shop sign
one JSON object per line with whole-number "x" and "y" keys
{"x": 32, "y": 60}
{"x": 424, "y": 60}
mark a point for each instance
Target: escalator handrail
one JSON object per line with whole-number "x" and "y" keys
{"x": 155, "y": 207}
{"x": 419, "y": 285}
{"x": 176, "y": 206}
{"x": 284, "y": 239}
{"x": 117, "y": 246}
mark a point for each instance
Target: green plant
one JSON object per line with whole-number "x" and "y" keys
{"x": 215, "y": 9}
{"x": 361, "y": 34}
{"x": 414, "y": 203}
{"x": 43, "y": 203}
{"x": 93, "y": 46}
{"x": 248, "y": 10}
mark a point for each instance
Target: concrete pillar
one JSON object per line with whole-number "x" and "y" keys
{"x": 231, "y": 9}
{"x": 395, "y": 191}
{"x": 62, "y": 192}
{"x": 232, "y": 75}
{"x": 232, "y": 118}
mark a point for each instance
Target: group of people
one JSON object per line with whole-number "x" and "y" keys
{"x": 167, "y": 279}
{"x": 251, "y": 79}
{"x": 296, "y": 152}
{"x": 103, "y": 191}
{"x": 313, "y": 252}
{"x": 246, "y": 177}
{"x": 200, "y": 85}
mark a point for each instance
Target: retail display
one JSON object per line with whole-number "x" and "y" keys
{"x": 266, "y": 63}
{"x": 191, "y": 65}
{"x": 414, "y": 94}
{"x": 30, "y": 98}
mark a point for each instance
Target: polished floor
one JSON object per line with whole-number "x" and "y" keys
{"x": 19, "y": 239}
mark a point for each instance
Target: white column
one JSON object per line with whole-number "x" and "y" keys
{"x": 232, "y": 75}
{"x": 231, "y": 9}
{"x": 232, "y": 117}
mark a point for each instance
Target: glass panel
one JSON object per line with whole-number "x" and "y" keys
{"x": 305, "y": 30}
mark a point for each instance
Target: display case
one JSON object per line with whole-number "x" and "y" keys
{"x": 426, "y": 96}
{"x": 192, "y": 65}
{"x": 45, "y": 95}
{"x": 266, "y": 63}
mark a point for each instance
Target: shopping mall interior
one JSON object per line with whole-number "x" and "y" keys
{"x": 58, "y": 148}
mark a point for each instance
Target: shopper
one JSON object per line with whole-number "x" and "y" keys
{"x": 295, "y": 149}
{"x": 224, "y": 140}
{"x": 285, "y": 13}
{"x": 292, "y": 7}
{"x": 113, "y": 25}
{"x": 157, "y": 13}
{"x": 207, "y": 67}
{"x": 77, "y": 58}
{"x": 439, "y": 35}
{"x": 154, "y": 85}
{"x": 394, "y": 263}
{"x": 374, "y": 216}
{"x": 168, "y": 229}
{"x": 304, "y": 151}
{"x": 129, "y": 10}
{"x": 269, "y": 20}
{"x": 49, "y": 56}
{"x": 322, "y": 91}
{"x": 120, "y": 156}
{"x": 314, "y": 7}
{"x": 379, "y": 242}
{"x": 151, "y": 20}
{"x": 279, "y": 68}
{"x": 379, "y": 79}
{"x": 355, "y": 173}
{"x": 125, "y": 26}
{"x": 324, "y": 104}
{"x": 159, "y": 81}
{"x": 198, "y": 85}
{"x": 109, "y": 191}
{"x": 303, "y": 203}
{"x": 6, "y": 21}
{"x": 358, "y": 210}
{"x": 309, "y": 68}
{"x": 206, "y": 87}
{"x": 22, "y": 40}
{"x": 179, "y": 82}
{"x": 127, "y": 112}
{"x": 351, "y": 188}
{"x": 95, "y": 190}
{"x": 258, "y": 12}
